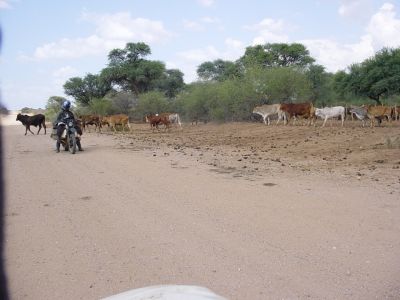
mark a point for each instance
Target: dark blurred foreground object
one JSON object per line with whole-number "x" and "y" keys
{"x": 3, "y": 280}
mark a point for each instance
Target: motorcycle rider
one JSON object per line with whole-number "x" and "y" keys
{"x": 60, "y": 122}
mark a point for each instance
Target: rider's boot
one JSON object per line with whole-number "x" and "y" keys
{"x": 78, "y": 143}
{"x": 58, "y": 147}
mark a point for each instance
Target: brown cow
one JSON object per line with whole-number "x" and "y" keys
{"x": 378, "y": 112}
{"x": 91, "y": 120}
{"x": 295, "y": 110}
{"x": 156, "y": 120}
{"x": 114, "y": 120}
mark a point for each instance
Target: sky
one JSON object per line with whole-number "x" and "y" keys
{"x": 46, "y": 42}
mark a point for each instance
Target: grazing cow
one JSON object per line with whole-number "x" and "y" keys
{"x": 330, "y": 112}
{"x": 360, "y": 113}
{"x": 156, "y": 120}
{"x": 36, "y": 120}
{"x": 378, "y": 112}
{"x": 268, "y": 110}
{"x": 173, "y": 118}
{"x": 119, "y": 119}
{"x": 91, "y": 120}
{"x": 295, "y": 110}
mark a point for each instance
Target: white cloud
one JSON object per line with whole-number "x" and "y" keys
{"x": 210, "y": 20}
{"x": 336, "y": 56}
{"x": 192, "y": 25}
{"x": 188, "y": 61}
{"x": 5, "y": 4}
{"x": 382, "y": 31}
{"x": 62, "y": 74}
{"x": 206, "y": 3}
{"x": 112, "y": 31}
{"x": 121, "y": 26}
{"x": 270, "y": 31}
{"x": 202, "y": 24}
{"x": 200, "y": 55}
{"x": 234, "y": 49}
{"x": 384, "y": 27}
{"x": 72, "y": 48}
{"x": 355, "y": 8}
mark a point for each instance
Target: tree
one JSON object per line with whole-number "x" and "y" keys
{"x": 375, "y": 77}
{"x": 53, "y": 106}
{"x": 171, "y": 83}
{"x": 122, "y": 102}
{"x": 321, "y": 90}
{"x": 279, "y": 84}
{"x": 85, "y": 89}
{"x": 129, "y": 71}
{"x": 218, "y": 70}
{"x": 277, "y": 54}
{"x": 151, "y": 102}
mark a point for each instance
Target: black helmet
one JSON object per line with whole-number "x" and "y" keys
{"x": 66, "y": 105}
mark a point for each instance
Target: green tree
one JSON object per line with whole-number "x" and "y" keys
{"x": 276, "y": 55}
{"x": 279, "y": 84}
{"x": 85, "y": 89}
{"x": 171, "y": 83}
{"x": 151, "y": 103}
{"x": 101, "y": 106}
{"x": 321, "y": 85}
{"x": 129, "y": 71}
{"x": 122, "y": 102}
{"x": 218, "y": 70}
{"x": 375, "y": 77}
{"x": 53, "y": 107}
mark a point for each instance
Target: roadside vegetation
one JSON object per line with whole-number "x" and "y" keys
{"x": 228, "y": 90}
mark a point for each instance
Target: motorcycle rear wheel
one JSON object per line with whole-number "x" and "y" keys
{"x": 72, "y": 143}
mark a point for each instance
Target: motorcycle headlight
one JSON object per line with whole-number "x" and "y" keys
{"x": 70, "y": 124}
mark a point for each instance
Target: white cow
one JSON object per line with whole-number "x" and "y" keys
{"x": 330, "y": 112}
{"x": 175, "y": 119}
{"x": 269, "y": 110}
{"x": 361, "y": 114}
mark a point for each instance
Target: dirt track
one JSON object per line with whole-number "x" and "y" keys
{"x": 248, "y": 211}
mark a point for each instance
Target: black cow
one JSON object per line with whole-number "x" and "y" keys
{"x": 36, "y": 120}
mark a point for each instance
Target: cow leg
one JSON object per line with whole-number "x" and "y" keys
{"x": 342, "y": 120}
{"x": 40, "y": 127}
{"x": 323, "y": 124}
{"x": 29, "y": 128}
{"x": 264, "y": 118}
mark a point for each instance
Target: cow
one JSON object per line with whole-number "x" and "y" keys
{"x": 114, "y": 120}
{"x": 395, "y": 112}
{"x": 330, "y": 112}
{"x": 91, "y": 120}
{"x": 36, "y": 120}
{"x": 156, "y": 120}
{"x": 173, "y": 118}
{"x": 378, "y": 112}
{"x": 360, "y": 113}
{"x": 265, "y": 111}
{"x": 295, "y": 110}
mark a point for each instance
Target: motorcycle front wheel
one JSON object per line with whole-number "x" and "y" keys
{"x": 72, "y": 143}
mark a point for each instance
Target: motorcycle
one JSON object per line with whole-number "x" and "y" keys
{"x": 70, "y": 138}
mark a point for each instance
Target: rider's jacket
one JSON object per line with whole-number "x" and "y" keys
{"x": 64, "y": 116}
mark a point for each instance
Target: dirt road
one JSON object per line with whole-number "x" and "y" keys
{"x": 146, "y": 209}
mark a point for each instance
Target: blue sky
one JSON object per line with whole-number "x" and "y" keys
{"x": 47, "y": 42}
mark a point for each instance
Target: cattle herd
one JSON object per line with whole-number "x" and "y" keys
{"x": 286, "y": 112}
{"x": 294, "y": 111}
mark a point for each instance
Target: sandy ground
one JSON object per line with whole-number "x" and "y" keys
{"x": 246, "y": 210}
